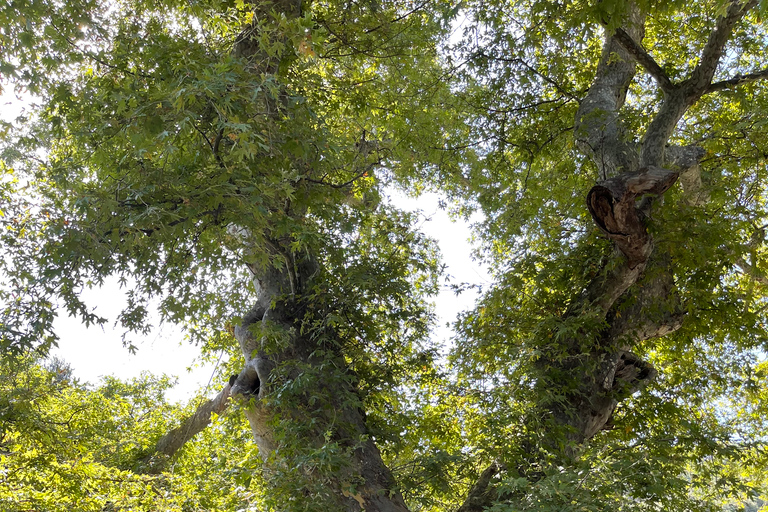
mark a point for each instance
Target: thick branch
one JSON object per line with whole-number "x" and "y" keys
{"x": 598, "y": 130}
{"x": 701, "y": 77}
{"x": 685, "y": 159}
{"x": 651, "y": 311}
{"x": 172, "y": 442}
{"x": 644, "y": 59}
{"x": 690, "y": 90}
{"x": 752, "y": 271}
{"x": 482, "y": 493}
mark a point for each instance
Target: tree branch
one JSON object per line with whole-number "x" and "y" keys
{"x": 482, "y": 494}
{"x": 644, "y": 59}
{"x": 612, "y": 205}
{"x": 598, "y": 130}
{"x": 516, "y": 60}
{"x": 752, "y": 271}
{"x": 691, "y": 89}
{"x": 685, "y": 160}
{"x": 701, "y": 77}
{"x": 737, "y": 80}
{"x": 172, "y": 442}
{"x": 639, "y": 317}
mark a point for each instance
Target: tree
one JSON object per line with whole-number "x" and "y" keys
{"x": 229, "y": 159}
{"x": 66, "y": 446}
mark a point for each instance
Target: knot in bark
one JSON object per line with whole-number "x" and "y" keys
{"x": 629, "y": 374}
{"x": 612, "y": 205}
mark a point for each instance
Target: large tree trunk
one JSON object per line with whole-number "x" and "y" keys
{"x": 579, "y": 384}
{"x": 580, "y": 389}
{"x": 280, "y": 353}
{"x": 331, "y": 405}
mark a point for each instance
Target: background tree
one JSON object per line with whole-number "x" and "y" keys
{"x": 228, "y": 160}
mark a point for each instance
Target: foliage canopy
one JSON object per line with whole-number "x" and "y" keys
{"x": 229, "y": 161}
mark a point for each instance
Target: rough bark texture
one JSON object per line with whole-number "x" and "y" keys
{"x": 279, "y": 292}
{"x": 279, "y": 305}
{"x": 482, "y": 493}
{"x": 281, "y": 300}
{"x": 631, "y": 175}
{"x": 613, "y": 205}
{"x": 598, "y": 130}
{"x": 611, "y": 371}
{"x": 588, "y": 383}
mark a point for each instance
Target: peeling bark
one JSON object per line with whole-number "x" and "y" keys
{"x": 611, "y": 371}
{"x": 628, "y": 172}
{"x": 581, "y": 389}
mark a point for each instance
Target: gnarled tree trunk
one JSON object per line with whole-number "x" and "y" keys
{"x": 581, "y": 390}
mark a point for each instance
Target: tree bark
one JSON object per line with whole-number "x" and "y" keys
{"x": 279, "y": 353}
{"x": 173, "y": 441}
{"x": 368, "y": 483}
{"x": 610, "y": 371}
{"x": 581, "y": 389}
{"x": 282, "y": 298}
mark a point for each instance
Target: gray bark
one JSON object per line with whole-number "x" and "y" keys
{"x": 279, "y": 291}
{"x": 627, "y": 171}
{"x": 173, "y": 440}
{"x": 279, "y": 294}
{"x": 598, "y": 129}
{"x": 611, "y": 371}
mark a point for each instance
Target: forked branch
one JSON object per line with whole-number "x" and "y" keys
{"x": 644, "y": 59}
{"x": 701, "y": 77}
{"x": 687, "y": 92}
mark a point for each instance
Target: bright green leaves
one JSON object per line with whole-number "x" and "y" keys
{"x": 69, "y": 446}
{"x": 166, "y": 150}
{"x": 174, "y": 162}
{"x": 528, "y": 66}
{"x": 65, "y": 446}
{"x": 178, "y": 144}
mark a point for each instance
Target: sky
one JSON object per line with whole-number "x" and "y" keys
{"x": 93, "y": 352}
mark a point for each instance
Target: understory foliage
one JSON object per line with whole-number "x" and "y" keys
{"x": 70, "y": 446}
{"x": 188, "y": 149}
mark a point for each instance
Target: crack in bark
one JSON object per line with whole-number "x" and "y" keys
{"x": 612, "y": 203}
